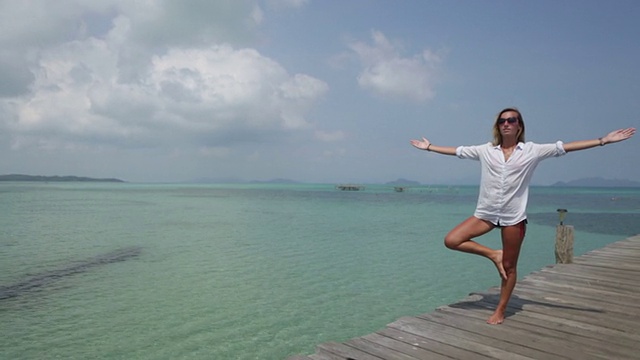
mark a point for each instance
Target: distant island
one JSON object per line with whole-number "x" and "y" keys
{"x": 55, "y": 178}
{"x": 403, "y": 182}
{"x": 275, "y": 181}
{"x": 599, "y": 182}
{"x": 232, "y": 180}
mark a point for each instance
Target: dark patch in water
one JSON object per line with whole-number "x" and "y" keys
{"x": 48, "y": 277}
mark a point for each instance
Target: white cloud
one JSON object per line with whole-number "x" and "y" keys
{"x": 119, "y": 89}
{"x": 220, "y": 152}
{"x": 334, "y": 153}
{"x": 327, "y": 136}
{"x": 257, "y": 15}
{"x": 386, "y": 73}
{"x": 288, "y": 3}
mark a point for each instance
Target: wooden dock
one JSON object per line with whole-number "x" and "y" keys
{"x": 586, "y": 310}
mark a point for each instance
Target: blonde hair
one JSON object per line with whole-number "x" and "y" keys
{"x": 497, "y": 136}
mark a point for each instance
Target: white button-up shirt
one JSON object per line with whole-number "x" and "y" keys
{"x": 504, "y": 185}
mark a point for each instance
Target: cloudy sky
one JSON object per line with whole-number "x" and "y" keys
{"x": 325, "y": 91}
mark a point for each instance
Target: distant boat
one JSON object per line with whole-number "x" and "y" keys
{"x": 350, "y": 187}
{"x": 400, "y": 188}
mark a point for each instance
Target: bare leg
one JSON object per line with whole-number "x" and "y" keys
{"x": 512, "y": 238}
{"x": 460, "y": 239}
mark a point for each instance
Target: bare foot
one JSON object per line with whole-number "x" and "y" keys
{"x": 497, "y": 318}
{"x": 497, "y": 260}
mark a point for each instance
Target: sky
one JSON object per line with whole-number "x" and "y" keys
{"x": 317, "y": 91}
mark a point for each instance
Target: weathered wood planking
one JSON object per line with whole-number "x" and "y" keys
{"x": 586, "y": 310}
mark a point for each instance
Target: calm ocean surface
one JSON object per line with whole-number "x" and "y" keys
{"x": 148, "y": 271}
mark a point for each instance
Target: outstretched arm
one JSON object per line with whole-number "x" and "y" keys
{"x": 425, "y": 144}
{"x": 610, "y": 138}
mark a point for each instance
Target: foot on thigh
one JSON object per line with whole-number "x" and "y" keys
{"x": 497, "y": 260}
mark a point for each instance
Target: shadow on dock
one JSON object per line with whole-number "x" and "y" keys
{"x": 40, "y": 280}
{"x": 488, "y": 301}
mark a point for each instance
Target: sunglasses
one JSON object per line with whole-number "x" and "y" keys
{"x": 511, "y": 120}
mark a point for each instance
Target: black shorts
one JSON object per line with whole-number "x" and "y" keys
{"x": 525, "y": 221}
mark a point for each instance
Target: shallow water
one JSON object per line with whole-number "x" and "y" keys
{"x": 249, "y": 271}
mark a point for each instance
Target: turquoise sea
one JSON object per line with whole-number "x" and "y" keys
{"x": 176, "y": 271}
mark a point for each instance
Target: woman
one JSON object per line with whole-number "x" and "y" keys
{"x": 507, "y": 166}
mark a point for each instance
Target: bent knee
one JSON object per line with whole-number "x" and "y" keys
{"x": 452, "y": 242}
{"x": 509, "y": 266}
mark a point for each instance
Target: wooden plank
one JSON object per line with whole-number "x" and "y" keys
{"x": 590, "y": 292}
{"x": 414, "y": 351}
{"x": 569, "y": 313}
{"x": 554, "y": 324}
{"x": 579, "y": 283}
{"x": 578, "y": 287}
{"x": 610, "y": 285}
{"x": 616, "y": 348}
{"x": 342, "y": 351}
{"x": 325, "y": 357}
{"x": 619, "y": 246}
{"x": 430, "y": 345}
{"x": 630, "y": 242}
{"x": 573, "y": 299}
{"x": 603, "y": 295}
{"x": 531, "y": 342}
{"x": 376, "y": 349}
{"x": 612, "y": 256}
{"x": 517, "y": 305}
{"x": 561, "y": 332}
{"x": 628, "y": 261}
{"x": 633, "y": 240}
{"x": 598, "y": 290}
{"x": 586, "y": 270}
{"x": 599, "y": 272}
{"x": 594, "y": 260}
{"x": 614, "y": 253}
{"x": 609, "y": 265}
{"x": 473, "y": 342}
{"x": 560, "y": 295}
{"x": 612, "y": 335}
{"x": 593, "y": 271}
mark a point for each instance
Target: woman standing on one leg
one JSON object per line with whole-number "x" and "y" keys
{"x": 507, "y": 165}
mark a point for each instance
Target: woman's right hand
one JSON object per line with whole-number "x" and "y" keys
{"x": 421, "y": 144}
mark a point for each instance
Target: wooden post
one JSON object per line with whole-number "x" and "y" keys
{"x": 564, "y": 244}
{"x": 564, "y": 240}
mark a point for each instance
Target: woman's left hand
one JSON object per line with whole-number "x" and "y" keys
{"x": 618, "y": 135}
